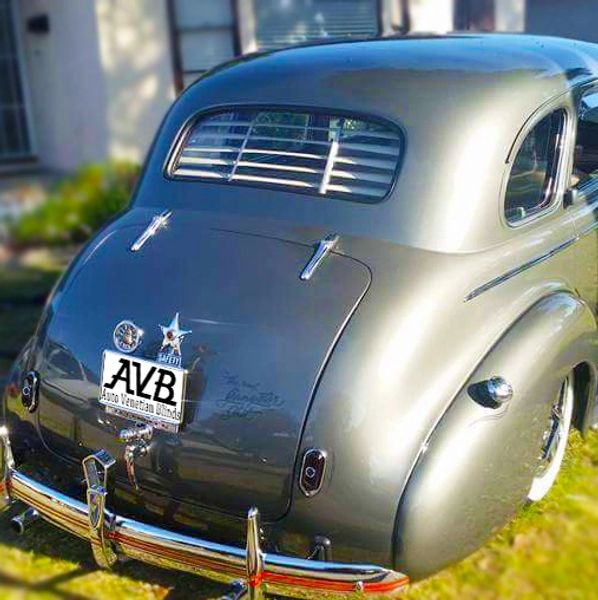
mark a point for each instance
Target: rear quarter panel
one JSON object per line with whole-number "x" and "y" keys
{"x": 406, "y": 355}
{"x": 477, "y": 466}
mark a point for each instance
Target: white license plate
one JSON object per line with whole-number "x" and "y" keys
{"x": 143, "y": 388}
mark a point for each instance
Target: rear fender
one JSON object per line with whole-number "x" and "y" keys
{"x": 478, "y": 463}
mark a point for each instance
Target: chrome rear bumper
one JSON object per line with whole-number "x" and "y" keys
{"x": 112, "y": 536}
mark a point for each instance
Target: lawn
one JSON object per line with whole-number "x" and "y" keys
{"x": 549, "y": 551}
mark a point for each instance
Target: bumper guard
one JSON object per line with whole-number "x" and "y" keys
{"x": 252, "y": 572}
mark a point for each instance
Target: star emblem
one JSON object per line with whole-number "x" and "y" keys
{"x": 173, "y": 336}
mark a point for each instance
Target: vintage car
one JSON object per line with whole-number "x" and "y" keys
{"x": 344, "y": 328}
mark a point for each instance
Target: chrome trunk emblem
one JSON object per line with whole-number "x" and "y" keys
{"x": 127, "y": 336}
{"x": 170, "y": 351}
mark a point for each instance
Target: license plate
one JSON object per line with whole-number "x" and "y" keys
{"x": 142, "y": 388}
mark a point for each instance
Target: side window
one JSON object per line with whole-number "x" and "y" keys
{"x": 585, "y": 161}
{"x": 532, "y": 180}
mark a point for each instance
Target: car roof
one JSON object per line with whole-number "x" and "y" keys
{"x": 461, "y": 101}
{"x": 503, "y": 56}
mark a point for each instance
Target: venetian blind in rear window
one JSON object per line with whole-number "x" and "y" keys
{"x": 332, "y": 155}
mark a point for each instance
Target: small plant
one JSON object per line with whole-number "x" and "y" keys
{"x": 78, "y": 206}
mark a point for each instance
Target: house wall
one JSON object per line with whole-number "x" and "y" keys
{"x": 435, "y": 16}
{"x": 100, "y": 80}
{"x": 509, "y": 15}
{"x": 64, "y": 74}
{"x": 136, "y": 60}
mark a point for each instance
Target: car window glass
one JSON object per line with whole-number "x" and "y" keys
{"x": 585, "y": 161}
{"x": 532, "y": 180}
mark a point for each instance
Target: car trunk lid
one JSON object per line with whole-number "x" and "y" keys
{"x": 260, "y": 337}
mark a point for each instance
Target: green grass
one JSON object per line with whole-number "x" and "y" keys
{"x": 549, "y": 551}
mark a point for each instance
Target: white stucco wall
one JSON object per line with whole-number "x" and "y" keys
{"x": 136, "y": 61}
{"x": 100, "y": 81}
{"x": 434, "y": 16}
{"x": 509, "y": 15}
{"x": 64, "y": 77}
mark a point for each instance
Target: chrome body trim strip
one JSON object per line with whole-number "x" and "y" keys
{"x": 527, "y": 265}
{"x": 265, "y": 573}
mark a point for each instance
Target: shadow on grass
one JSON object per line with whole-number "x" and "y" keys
{"x": 49, "y": 561}
{"x": 48, "y": 585}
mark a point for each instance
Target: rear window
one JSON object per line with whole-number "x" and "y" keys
{"x": 331, "y": 155}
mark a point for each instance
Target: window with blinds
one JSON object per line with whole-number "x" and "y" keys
{"x": 281, "y": 23}
{"x": 330, "y": 155}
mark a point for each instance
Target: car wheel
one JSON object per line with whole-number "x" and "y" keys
{"x": 554, "y": 442}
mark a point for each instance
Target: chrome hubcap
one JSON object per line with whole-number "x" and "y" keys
{"x": 552, "y": 436}
{"x": 554, "y": 442}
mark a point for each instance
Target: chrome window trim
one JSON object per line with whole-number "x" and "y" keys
{"x": 561, "y": 169}
{"x": 565, "y": 166}
{"x": 589, "y": 187}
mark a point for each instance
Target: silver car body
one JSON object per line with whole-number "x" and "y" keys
{"x": 376, "y": 358}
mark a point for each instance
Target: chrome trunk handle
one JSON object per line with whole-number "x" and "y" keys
{"x": 325, "y": 246}
{"x": 157, "y": 222}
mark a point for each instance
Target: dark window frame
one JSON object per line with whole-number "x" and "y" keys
{"x": 175, "y": 32}
{"x": 474, "y": 15}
